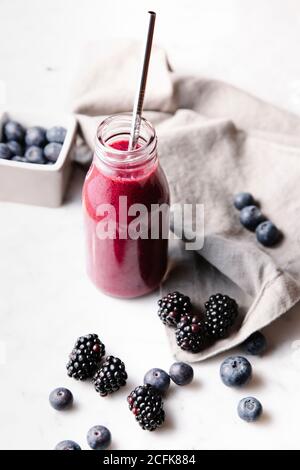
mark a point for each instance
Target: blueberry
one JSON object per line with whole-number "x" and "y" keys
{"x": 35, "y": 136}
{"x": 181, "y": 373}
{"x": 249, "y": 409}
{"x": 35, "y": 154}
{"x": 61, "y": 398}
{"x": 99, "y": 438}
{"x": 242, "y": 200}
{"x": 14, "y": 131}
{"x": 15, "y": 147}
{"x": 158, "y": 378}
{"x": 267, "y": 233}
{"x": 256, "y": 344}
{"x": 52, "y": 151}
{"x": 56, "y": 134}
{"x": 67, "y": 445}
{"x": 18, "y": 158}
{"x": 235, "y": 371}
{"x": 5, "y": 152}
{"x": 250, "y": 217}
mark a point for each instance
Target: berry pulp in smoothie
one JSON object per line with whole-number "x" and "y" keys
{"x": 122, "y": 266}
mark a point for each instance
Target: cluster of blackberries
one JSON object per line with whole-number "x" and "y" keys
{"x": 85, "y": 362}
{"x": 253, "y": 219}
{"x": 195, "y": 331}
{"x": 32, "y": 145}
{"x": 145, "y": 401}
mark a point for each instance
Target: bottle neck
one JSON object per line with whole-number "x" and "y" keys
{"x": 111, "y": 147}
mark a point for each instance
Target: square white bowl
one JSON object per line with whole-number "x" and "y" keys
{"x": 30, "y": 183}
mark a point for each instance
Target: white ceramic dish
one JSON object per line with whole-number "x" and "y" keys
{"x": 29, "y": 183}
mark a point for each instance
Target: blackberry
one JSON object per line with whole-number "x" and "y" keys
{"x": 110, "y": 377}
{"x": 190, "y": 334}
{"x": 220, "y": 314}
{"x": 172, "y": 307}
{"x": 146, "y": 404}
{"x": 85, "y": 357}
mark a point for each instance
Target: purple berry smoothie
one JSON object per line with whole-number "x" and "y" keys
{"x": 124, "y": 267}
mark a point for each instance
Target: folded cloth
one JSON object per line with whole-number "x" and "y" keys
{"x": 214, "y": 141}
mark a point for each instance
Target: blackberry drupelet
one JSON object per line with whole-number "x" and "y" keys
{"x": 85, "y": 357}
{"x": 146, "y": 404}
{"x": 220, "y": 314}
{"x": 153, "y": 423}
{"x": 172, "y": 307}
{"x": 110, "y": 377}
{"x": 190, "y": 334}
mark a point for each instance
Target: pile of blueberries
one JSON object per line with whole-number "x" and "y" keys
{"x": 32, "y": 145}
{"x": 253, "y": 219}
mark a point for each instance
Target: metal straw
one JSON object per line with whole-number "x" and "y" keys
{"x": 139, "y": 99}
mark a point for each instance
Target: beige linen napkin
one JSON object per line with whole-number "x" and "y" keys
{"x": 214, "y": 140}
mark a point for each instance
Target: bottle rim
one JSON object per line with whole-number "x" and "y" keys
{"x": 106, "y": 132}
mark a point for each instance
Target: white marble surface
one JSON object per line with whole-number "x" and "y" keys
{"x": 46, "y": 300}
